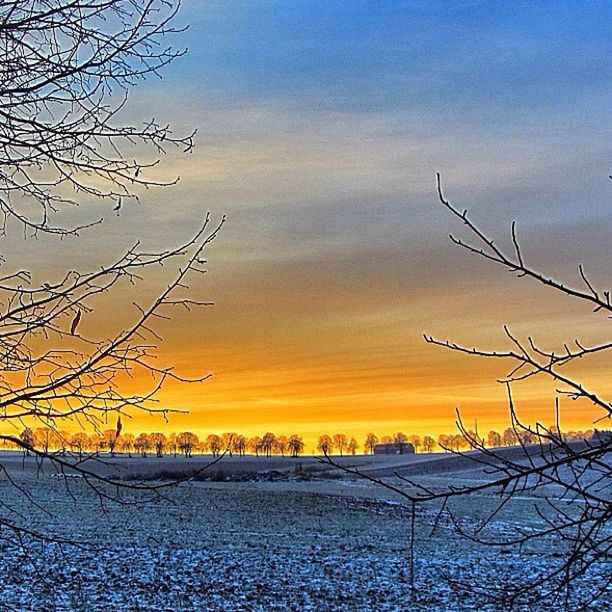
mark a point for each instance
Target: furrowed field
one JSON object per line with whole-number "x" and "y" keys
{"x": 266, "y": 534}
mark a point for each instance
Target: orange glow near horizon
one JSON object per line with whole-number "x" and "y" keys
{"x": 299, "y": 362}
{"x": 331, "y": 344}
{"x": 351, "y": 372}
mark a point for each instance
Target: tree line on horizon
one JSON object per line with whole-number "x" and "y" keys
{"x": 112, "y": 441}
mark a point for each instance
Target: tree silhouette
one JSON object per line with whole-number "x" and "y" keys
{"x": 27, "y": 439}
{"x": 445, "y": 442}
{"x": 66, "y": 69}
{"x": 494, "y": 439}
{"x": 325, "y": 444}
{"x": 268, "y": 442}
{"x": 239, "y": 444}
{"x": 582, "y": 472}
{"x": 159, "y": 443}
{"x": 509, "y": 437}
{"x": 187, "y": 442}
{"x": 79, "y": 442}
{"x": 46, "y": 438}
{"x": 143, "y": 444}
{"x": 428, "y": 444}
{"x": 214, "y": 444}
{"x": 126, "y": 443}
{"x": 281, "y": 445}
{"x": 370, "y": 442}
{"x": 340, "y": 442}
{"x": 172, "y": 444}
{"x": 111, "y": 439}
{"x": 575, "y": 523}
{"x": 255, "y": 445}
{"x": 295, "y": 445}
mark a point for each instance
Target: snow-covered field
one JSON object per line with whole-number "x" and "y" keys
{"x": 312, "y": 545}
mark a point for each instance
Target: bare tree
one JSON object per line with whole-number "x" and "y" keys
{"x": 268, "y": 442}
{"x": 582, "y": 472}
{"x": 110, "y": 438}
{"x": 79, "y": 442}
{"x": 172, "y": 444}
{"x": 494, "y": 439}
{"x": 428, "y": 444}
{"x": 187, "y": 442}
{"x": 66, "y": 68}
{"x": 444, "y": 442}
{"x": 46, "y": 439}
{"x": 509, "y": 437}
{"x": 575, "y": 522}
{"x": 370, "y": 442}
{"x": 296, "y": 445}
{"x": 65, "y": 72}
{"x": 159, "y": 442}
{"x": 254, "y": 445}
{"x": 27, "y": 439}
{"x": 281, "y": 445}
{"x": 340, "y": 442}
{"x": 143, "y": 444}
{"x": 239, "y": 444}
{"x": 214, "y": 444}
{"x": 126, "y": 443}
{"x": 325, "y": 444}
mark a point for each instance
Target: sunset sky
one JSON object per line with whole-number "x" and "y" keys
{"x": 321, "y": 126}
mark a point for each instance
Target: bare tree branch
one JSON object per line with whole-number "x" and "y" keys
{"x": 577, "y": 519}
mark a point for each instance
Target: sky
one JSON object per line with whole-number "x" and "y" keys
{"x": 321, "y": 125}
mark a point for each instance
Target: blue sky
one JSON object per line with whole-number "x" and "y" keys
{"x": 321, "y": 126}
{"x": 462, "y": 60}
{"x": 480, "y": 78}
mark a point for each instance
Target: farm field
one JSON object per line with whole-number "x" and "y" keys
{"x": 309, "y": 543}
